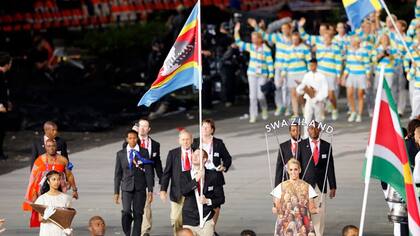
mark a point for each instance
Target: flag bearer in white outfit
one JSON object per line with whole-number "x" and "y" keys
{"x": 314, "y": 88}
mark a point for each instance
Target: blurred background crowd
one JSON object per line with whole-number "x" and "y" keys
{"x": 85, "y": 63}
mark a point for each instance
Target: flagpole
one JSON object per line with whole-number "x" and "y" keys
{"x": 371, "y": 145}
{"x": 200, "y": 108}
{"x": 396, "y": 29}
{"x": 269, "y": 162}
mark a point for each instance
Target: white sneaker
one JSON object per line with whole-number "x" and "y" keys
{"x": 352, "y": 117}
{"x": 277, "y": 112}
{"x": 287, "y": 113}
{"x": 264, "y": 114}
{"x": 334, "y": 114}
{"x": 359, "y": 118}
{"x": 252, "y": 120}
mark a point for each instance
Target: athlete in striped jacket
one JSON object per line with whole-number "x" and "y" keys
{"x": 260, "y": 70}
{"x": 329, "y": 59}
{"x": 355, "y": 76}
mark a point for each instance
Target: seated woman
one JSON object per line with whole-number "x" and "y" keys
{"x": 293, "y": 204}
{"x": 52, "y": 196}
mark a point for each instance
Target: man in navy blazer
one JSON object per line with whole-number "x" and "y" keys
{"x": 133, "y": 174}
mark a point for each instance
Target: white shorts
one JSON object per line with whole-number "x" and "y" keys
{"x": 292, "y": 78}
{"x": 356, "y": 81}
{"x": 331, "y": 79}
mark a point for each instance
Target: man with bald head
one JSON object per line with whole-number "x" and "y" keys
{"x": 178, "y": 160}
{"x": 50, "y": 132}
{"x": 97, "y": 226}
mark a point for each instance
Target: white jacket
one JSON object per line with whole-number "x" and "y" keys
{"x": 317, "y": 81}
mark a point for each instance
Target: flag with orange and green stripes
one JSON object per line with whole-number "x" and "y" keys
{"x": 390, "y": 160}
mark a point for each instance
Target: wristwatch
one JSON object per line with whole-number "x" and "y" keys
{"x": 75, "y": 189}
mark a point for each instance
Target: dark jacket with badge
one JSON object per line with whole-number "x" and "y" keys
{"x": 134, "y": 178}
{"x": 212, "y": 189}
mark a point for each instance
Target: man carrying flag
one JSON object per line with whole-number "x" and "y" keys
{"x": 182, "y": 67}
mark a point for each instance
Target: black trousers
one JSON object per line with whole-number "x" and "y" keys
{"x": 133, "y": 205}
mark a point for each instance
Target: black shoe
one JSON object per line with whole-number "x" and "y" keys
{"x": 146, "y": 234}
{"x": 215, "y": 233}
{"x": 3, "y": 157}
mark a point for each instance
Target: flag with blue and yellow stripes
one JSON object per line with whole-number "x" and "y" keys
{"x": 182, "y": 65}
{"x": 357, "y": 10}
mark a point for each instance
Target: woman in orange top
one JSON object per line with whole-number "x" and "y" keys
{"x": 43, "y": 164}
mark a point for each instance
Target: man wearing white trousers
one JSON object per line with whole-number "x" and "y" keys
{"x": 260, "y": 70}
{"x": 314, "y": 88}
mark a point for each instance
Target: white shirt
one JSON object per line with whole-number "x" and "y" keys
{"x": 317, "y": 81}
{"x": 137, "y": 148}
{"x": 277, "y": 192}
{"x": 193, "y": 172}
{"x": 209, "y": 149}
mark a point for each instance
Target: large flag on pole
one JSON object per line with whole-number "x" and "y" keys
{"x": 389, "y": 162}
{"x": 357, "y": 10}
{"x": 182, "y": 65}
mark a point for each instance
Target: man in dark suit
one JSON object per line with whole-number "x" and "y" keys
{"x": 133, "y": 174}
{"x": 211, "y": 195}
{"x": 317, "y": 160}
{"x": 5, "y": 104}
{"x": 287, "y": 150}
{"x": 178, "y": 160}
{"x": 50, "y": 132}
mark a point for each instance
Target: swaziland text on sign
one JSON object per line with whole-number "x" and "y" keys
{"x": 272, "y": 126}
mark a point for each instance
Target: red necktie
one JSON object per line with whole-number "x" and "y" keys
{"x": 315, "y": 152}
{"x": 143, "y": 143}
{"x": 187, "y": 165}
{"x": 198, "y": 187}
{"x": 293, "y": 148}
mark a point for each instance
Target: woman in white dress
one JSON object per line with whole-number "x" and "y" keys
{"x": 52, "y": 196}
{"x": 294, "y": 204}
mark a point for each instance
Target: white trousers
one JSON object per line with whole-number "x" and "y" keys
{"x": 415, "y": 103}
{"x": 281, "y": 95}
{"x": 207, "y": 230}
{"x": 255, "y": 94}
{"x": 319, "y": 219}
{"x": 146, "y": 225}
{"x": 402, "y": 93}
{"x": 312, "y": 111}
